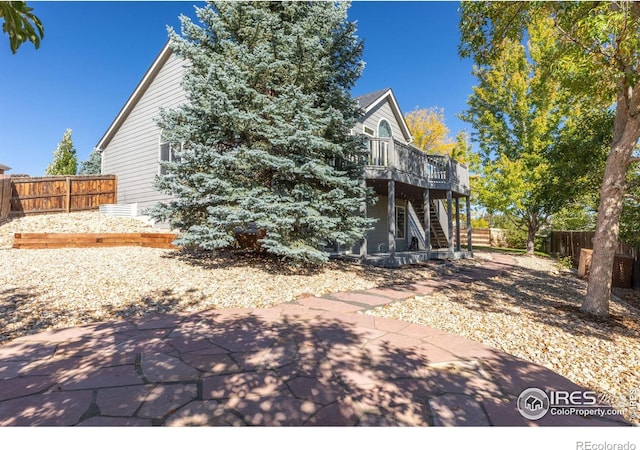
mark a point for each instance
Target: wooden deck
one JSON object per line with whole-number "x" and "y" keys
{"x": 86, "y": 240}
{"x": 390, "y": 159}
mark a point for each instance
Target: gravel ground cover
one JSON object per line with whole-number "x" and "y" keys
{"x": 58, "y": 288}
{"x": 533, "y": 313}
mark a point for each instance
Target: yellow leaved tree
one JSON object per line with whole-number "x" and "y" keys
{"x": 431, "y": 135}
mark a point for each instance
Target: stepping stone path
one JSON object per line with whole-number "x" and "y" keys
{"x": 315, "y": 361}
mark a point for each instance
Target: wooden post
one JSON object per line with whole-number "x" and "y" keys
{"x": 426, "y": 207}
{"x": 363, "y": 242}
{"x": 115, "y": 189}
{"x": 635, "y": 278}
{"x": 5, "y": 196}
{"x": 469, "y": 231}
{"x": 68, "y": 196}
{"x": 450, "y": 221}
{"x": 391, "y": 217}
{"x": 573, "y": 253}
{"x": 457, "y": 224}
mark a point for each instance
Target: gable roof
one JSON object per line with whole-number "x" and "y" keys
{"x": 367, "y": 99}
{"x": 140, "y": 89}
{"x": 367, "y": 102}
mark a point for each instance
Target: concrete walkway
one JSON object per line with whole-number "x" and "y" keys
{"x": 316, "y": 361}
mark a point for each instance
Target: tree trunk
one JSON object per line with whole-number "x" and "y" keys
{"x": 533, "y": 225}
{"x": 605, "y": 242}
{"x": 531, "y": 241}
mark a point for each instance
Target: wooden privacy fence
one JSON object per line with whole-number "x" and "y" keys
{"x": 21, "y": 196}
{"x": 485, "y": 237}
{"x": 623, "y": 267}
{"x": 579, "y": 245}
{"x": 5, "y": 196}
{"x": 569, "y": 243}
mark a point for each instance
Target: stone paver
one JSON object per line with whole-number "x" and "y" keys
{"x": 121, "y": 401}
{"x": 363, "y": 299}
{"x": 26, "y": 386}
{"x": 317, "y": 361}
{"x": 455, "y": 410}
{"x": 162, "y": 368}
{"x": 162, "y": 400}
{"x": 328, "y": 305}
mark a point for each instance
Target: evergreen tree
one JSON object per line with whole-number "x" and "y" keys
{"x": 65, "y": 160}
{"x": 264, "y": 140}
{"x": 93, "y": 165}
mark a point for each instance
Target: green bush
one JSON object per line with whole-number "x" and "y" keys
{"x": 515, "y": 238}
{"x": 479, "y": 223}
{"x": 565, "y": 262}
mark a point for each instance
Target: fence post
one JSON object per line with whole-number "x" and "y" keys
{"x": 68, "y": 194}
{"x": 115, "y": 190}
{"x": 5, "y": 196}
{"x": 635, "y": 277}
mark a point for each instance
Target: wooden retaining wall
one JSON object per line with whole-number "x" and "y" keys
{"x": 84, "y": 240}
{"x": 21, "y": 196}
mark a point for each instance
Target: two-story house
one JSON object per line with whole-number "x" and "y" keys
{"x": 416, "y": 191}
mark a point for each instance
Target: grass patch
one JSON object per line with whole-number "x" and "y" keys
{"x": 510, "y": 251}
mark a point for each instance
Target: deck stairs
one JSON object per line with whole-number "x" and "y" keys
{"x": 438, "y": 235}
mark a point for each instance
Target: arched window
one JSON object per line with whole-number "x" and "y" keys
{"x": 384, "y": 129}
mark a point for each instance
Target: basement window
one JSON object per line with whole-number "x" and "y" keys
{"x": 401, "y": 222}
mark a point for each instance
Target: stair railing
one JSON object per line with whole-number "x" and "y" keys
{"x": 415, "y": 228}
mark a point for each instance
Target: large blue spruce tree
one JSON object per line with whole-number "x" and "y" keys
{"x": 264, "y": 141}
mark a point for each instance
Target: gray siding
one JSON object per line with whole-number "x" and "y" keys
{"x": 133, "y": 153}
{"x": 382, "y": 111}
{"x": 379, "y": 234}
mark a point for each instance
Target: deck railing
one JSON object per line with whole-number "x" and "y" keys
{"x": 387, "y": 152}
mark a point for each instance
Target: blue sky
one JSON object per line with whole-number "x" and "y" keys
{"x": 94, "y": 54}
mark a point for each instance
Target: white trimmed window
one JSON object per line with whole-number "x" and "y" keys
{"x": 384, "y": 129}
{"x": 168, "y": 153}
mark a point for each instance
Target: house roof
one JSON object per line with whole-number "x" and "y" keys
{"x": 369, "y": 101}
{"x": 149, "y": 76}
{"x": 366, "y": 101}
{"x": 3, "y": 167}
